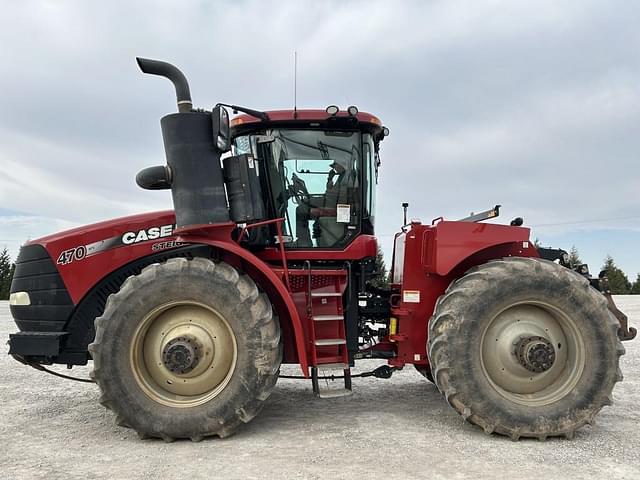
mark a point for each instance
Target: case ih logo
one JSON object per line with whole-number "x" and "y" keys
{"x": 152, "y": 233}
{"x": 128, "y": 238}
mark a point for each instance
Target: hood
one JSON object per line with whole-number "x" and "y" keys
{"x": 84, "y": 255}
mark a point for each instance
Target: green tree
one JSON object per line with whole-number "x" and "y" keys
{"x": 537, "y": 243}
{"x": 574, "y": 257}
{"x": 635, "y": 289}
{"x": 618, "y": 281}
{"x": 6, "y": 274}
{"x": 381, "y": 278}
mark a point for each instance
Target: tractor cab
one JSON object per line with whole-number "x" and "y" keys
{"x": 317, "y": 170}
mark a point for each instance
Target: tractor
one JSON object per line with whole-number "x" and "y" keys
{"x": 269, "y": 257}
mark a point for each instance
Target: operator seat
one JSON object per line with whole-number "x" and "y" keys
{"x": 331, "y": 231}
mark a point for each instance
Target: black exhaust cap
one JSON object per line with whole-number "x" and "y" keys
{"x": 173, "y": 73}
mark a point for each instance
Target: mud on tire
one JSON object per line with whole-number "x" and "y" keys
{"x": 488, "y": 317}
{"x": 129, "y": 382}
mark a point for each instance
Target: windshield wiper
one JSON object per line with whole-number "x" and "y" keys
{"x": 324, "y": 150}
{"x": 322, "y": 147}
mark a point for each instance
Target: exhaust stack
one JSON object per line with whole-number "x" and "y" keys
{"x": 193, "y": 145}
{"x": 172, "y": 73}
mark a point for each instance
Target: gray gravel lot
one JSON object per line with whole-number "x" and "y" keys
{"x": 398, "y": 428}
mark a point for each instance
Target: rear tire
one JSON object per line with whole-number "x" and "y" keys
{"x": 525, "y": 348}
{"x": 186, "y": 349}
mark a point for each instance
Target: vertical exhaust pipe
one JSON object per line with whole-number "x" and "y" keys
{"x": 193, "y": 170}
{"x": 173, "y": 73}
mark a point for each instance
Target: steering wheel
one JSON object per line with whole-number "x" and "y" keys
{"x": 298, "y": 189}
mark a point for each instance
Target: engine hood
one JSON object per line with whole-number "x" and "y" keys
{"x": 84, "y": 255}
{"x": 113, "y": 226}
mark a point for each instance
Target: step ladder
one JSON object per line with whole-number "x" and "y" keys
{"x": 327, "y": 335}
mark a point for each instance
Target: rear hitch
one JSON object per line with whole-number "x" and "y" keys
{"x": 625, "y": 332}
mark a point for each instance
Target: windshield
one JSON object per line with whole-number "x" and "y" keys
{"x": 314, "y": 180}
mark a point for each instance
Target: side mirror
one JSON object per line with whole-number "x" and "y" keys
{"x": 220, "y": 125}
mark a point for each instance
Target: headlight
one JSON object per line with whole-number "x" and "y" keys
{"x": 19, "y": 298}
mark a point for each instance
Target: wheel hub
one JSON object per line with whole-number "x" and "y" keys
{"x": 532, "y": 353}
{"x": 536, "y": 354}
{"x": 181, "y": 354}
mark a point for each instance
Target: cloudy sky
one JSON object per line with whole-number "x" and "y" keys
{"x": 533, "y": 105}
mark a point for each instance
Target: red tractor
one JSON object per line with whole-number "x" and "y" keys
{"x": 269, "y": 258}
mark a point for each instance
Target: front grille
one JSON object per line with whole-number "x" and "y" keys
{"x": 50, "y": 302}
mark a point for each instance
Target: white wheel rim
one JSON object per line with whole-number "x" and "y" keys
{"x": 532, "y": 323}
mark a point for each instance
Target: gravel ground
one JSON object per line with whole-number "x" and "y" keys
{"x": 398, "y": 428}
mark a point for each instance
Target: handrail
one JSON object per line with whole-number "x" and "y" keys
{"x": 347, "y": 264}
{"x": 307, "y": 265}
{"x": 283, "y": 256}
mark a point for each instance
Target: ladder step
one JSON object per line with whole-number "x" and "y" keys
{"x": 330, "y": 341}
{"x": 333, "y": 366}
{"x": 326, "y": 294}
{"x": 327, "y": 318}
{"x": 334, "y": 393}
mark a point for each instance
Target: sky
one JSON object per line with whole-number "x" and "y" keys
{"x": 531, "y": 105}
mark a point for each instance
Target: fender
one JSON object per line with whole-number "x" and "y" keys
{"x": 445, "y": 251}
{"x": 449, "y": 245}
{"x": 110, "y": 246}
{"x": 219, "y": 237}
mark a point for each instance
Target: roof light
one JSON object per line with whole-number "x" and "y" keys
{"x": 352, "y": 110}
{"x": 332, "y": 110}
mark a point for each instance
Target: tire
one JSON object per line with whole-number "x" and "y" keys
{"x": 425, "y": 371}
{"x": 525, "y": 348}
{"x": 186, "y": 349}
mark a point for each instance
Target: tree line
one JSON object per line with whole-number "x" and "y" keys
{"x": 618, "y": 280}
{"x": 7, "y": 268}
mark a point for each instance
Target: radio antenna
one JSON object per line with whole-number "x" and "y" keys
{"x": 295, "y": 84}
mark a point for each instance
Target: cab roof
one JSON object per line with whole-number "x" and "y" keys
{"x": 311, "y": 118}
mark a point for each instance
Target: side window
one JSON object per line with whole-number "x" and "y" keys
{"x": 241, "y": 145}
{"x": 244, "y": 144}
{"x": 370, "y": 178}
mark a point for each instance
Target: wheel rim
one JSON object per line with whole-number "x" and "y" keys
{"x": 532, "y": 353}
{"x": 183, "y": 354}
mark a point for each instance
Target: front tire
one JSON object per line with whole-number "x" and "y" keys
{"x": 525, "y": 348}
{"x": 186, "y": 349}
